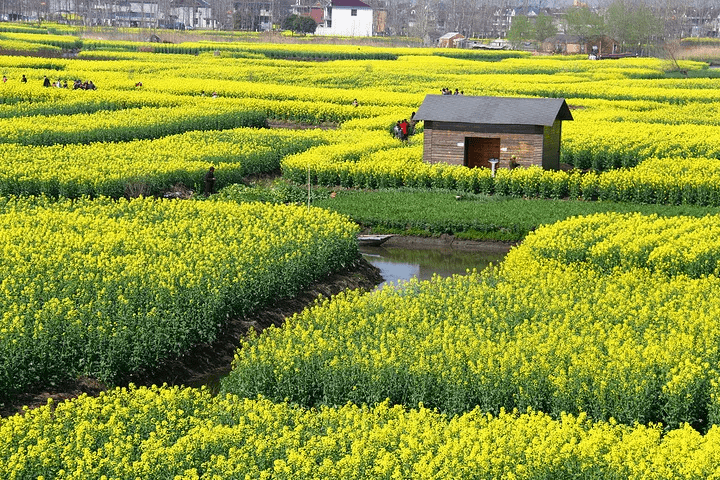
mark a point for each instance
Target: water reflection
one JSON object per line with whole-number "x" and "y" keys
{"x": 400, "y": 263}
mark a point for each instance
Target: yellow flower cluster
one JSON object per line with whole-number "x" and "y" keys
{"x": 58, "y": 41}
{"x": 103, "y": 287}
{"x": 12, "y": 46}
{"x": 610, "y": 241}
{"x": 607, "y": 315}
{"x": 670, "y": 119}
{"x": 189, "y": 434}
{"x": 154, "y": 165}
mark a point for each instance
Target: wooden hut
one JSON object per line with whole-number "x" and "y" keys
{"x": 451, "y": 40}
{"x": 470, "y": 131}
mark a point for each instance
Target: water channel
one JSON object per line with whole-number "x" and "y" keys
{"x": 400, "y": 260}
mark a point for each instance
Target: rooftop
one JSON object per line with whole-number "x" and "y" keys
{"x": 349, "y": 3}
{"x": 493, "y": 110}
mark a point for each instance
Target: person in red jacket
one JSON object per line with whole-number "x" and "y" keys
{"x": 404, "y": 129}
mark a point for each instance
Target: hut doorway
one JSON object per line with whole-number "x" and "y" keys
{"x": 479, "y": 151}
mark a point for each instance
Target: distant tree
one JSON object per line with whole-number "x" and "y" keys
{"x": 584, "y": 23}
{"x": 633, "y": 25}
{"x": 307, "y": 25}
{"x": 299, "y": 24}
{"x": 544, "y": 27}
{"x": 246, "y": 15}
{"x": 521, "y": 30}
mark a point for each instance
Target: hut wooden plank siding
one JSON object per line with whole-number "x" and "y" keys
{"x": 466, "y": 130}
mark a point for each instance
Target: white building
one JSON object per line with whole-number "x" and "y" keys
{"x": 347, "y": 18}
{"x": 192, "y": 14}
{"x": 135, "y": 13}
{"x": 139, "y": 13}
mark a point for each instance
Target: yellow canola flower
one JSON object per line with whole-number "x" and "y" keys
{"x": 102, "y": 287}
{"x": 164, "y": 432}
{"x": 557, "y": 327}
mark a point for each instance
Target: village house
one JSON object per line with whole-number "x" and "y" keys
{"x": 131, "y": 14}
{"x": 451, "y": 40}
{"x": 480, "y": 131}
{"x": 314, "y": 11}
{"x": 192, "y": 14}
{"x": 573, "y": 44}
{"x": 348, "y": 18}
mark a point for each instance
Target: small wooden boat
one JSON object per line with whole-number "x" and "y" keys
{"x": 372, "y": 240}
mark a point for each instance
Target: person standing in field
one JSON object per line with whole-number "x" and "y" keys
{"x": 396, "y": 130}
{"x": 46, "y": 82}
{"x": 404, "y": 130}
{"x": 210, "y": 181}
{"x": 23, "y": 79}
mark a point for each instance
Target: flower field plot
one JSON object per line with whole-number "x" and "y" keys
{"x": 152, "y": 166}
{"x": 625, "y": 111}
{"x": 187, "y": 433}
{"x": 103, "y": 288}
{"x": 591, "y": 352}
{"x": 633, "y": 346}
{"x": 611, "y": 318}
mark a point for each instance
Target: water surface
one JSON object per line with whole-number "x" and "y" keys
{"x": 403, "y": 263}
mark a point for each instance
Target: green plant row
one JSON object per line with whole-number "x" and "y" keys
{"x": 437, "y": 212}
{"x": 696, "y": 41}
{"x": 17, "y": 47}
{"x": 22, "y": 28}
{"x": 65, "y": 42}
{"x": 103, "y": 288}
{"x": 187, "y": 433}
{"x": 311, "y": 54}
{"x": 483, "y": 55}
{"x": 269, "y": 51}
{"x": 124, "y": 120}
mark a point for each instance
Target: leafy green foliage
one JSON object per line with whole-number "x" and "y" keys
{"x": 299, "y": 24}
{"x": 473, "y": 216}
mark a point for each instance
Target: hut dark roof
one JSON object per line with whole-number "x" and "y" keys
{"x": 493, "y": 110}
{"x": 350, "y": 3}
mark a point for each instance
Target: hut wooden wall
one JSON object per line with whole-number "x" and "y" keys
{"x": 445, "y": 142}
{"x": 551, "y": 146}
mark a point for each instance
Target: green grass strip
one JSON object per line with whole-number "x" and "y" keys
{"x": 437, "y": 212}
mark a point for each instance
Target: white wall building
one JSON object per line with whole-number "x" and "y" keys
{"x": 192, "y": 14}
{"x": 347, "y": 18}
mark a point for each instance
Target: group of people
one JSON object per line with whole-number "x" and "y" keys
{"x": 448, "y": 91}
{"x": 77, "y": 84}
{"x": 404, "y": 128}
{"x": 22, "y": 80}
